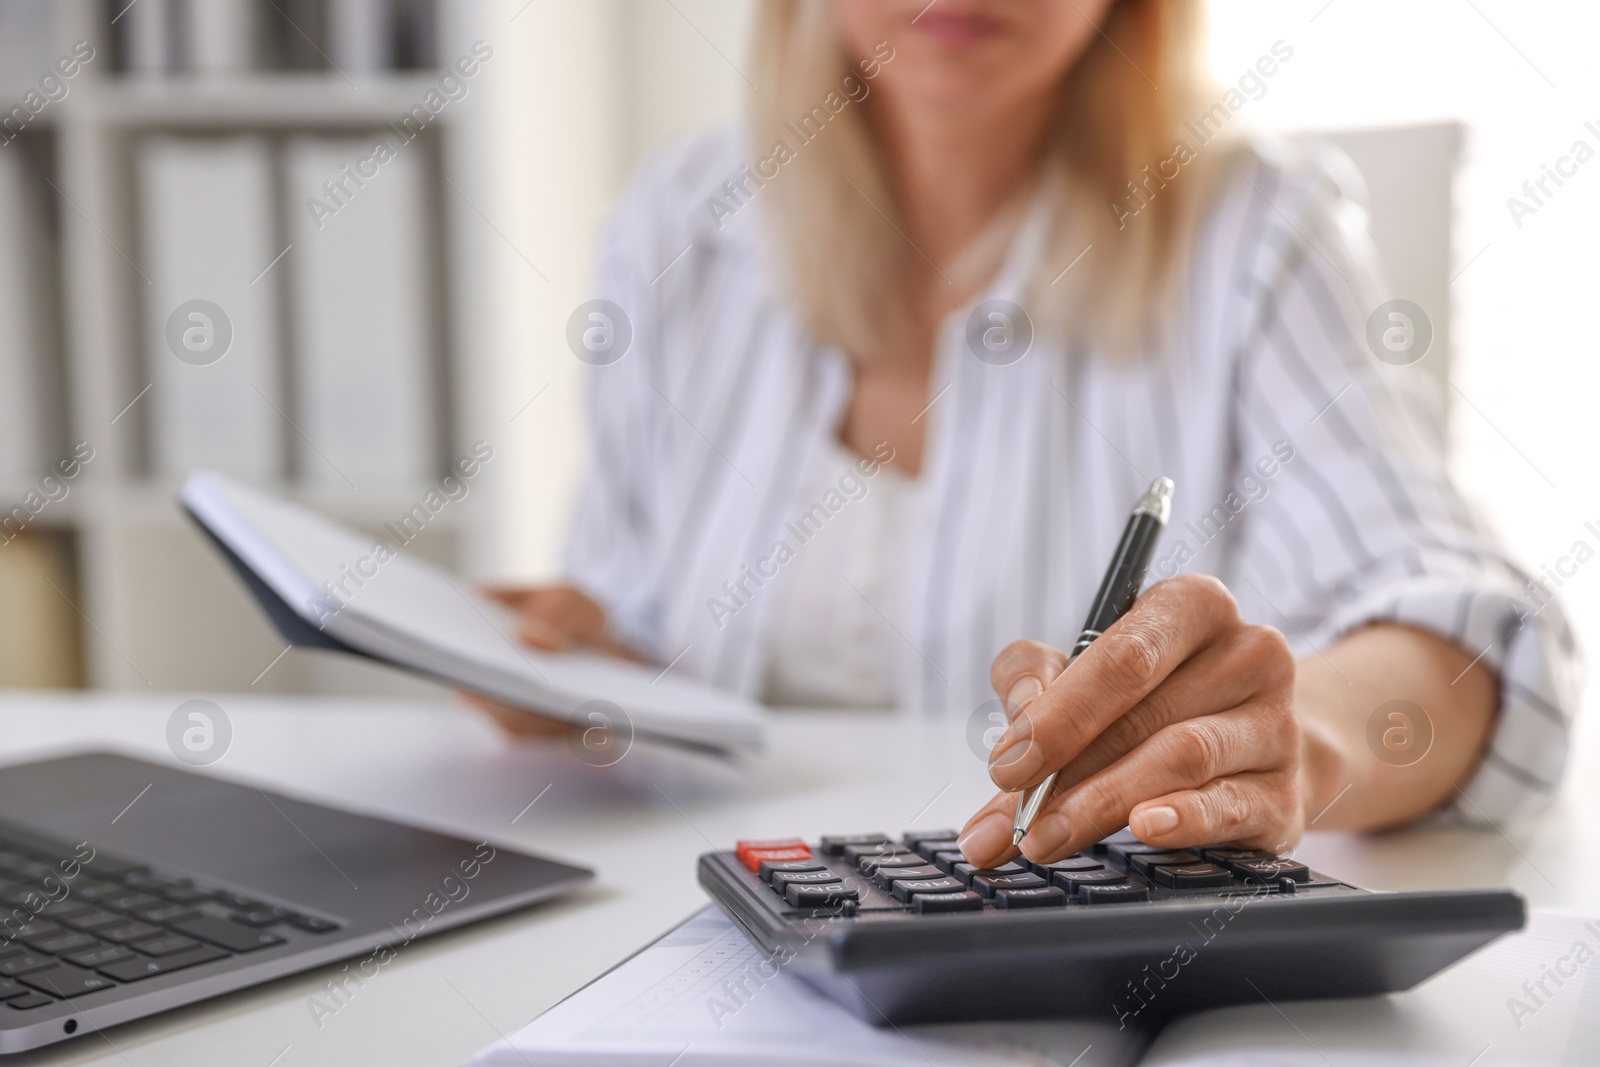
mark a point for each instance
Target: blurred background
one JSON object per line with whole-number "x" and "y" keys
{"x": 389, "y": 207}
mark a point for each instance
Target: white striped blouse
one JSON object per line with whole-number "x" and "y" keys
{"x": 1310, "y": 475}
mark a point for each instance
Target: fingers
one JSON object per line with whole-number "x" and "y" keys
{"x": 1170, "y": 623}
{"x": 1257, "y": 810}
{"x": 1253, "y": 662}
{"x": 557, "y": 617}
{"x": 1259, "y": 741}
{"x": 515, "y": 721}
{"x": 986, "y": 839}
{"x": 1022, "y": 670}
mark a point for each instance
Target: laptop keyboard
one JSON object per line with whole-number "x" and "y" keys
{"x": 925, "y": 874}
{"x": 74, "y": 921}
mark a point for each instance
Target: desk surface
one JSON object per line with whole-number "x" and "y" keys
{"x": 641, "y": 823}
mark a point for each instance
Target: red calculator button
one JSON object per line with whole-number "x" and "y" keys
{"x": 753, "y": 858}
{"x": 741, "y": 847}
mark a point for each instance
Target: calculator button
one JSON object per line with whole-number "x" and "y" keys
{"x": 928, "y": 840}
{"x": 783, "y": 879}
{"x": 771, "y": 867}
{"x": 1192, "y": 876}
{"x": 888, "y": 876}
{"x": 835, "y": 844}
{"x": 1115, "y": 893}
{"x": 1135, "y": 848}
{"x": 310, "y": 923}
{"x": 752, "y": 857}
{"x": 942, "y": 903}
{"x": 1071, "y": 863}
{"x": 767, "y": 844}
{"x": 819, "y": 896}
{"x": 871, "y": 864}
{"x": 854, "y": 854}
{"x": 1143, "y": 861}
{"x": 1226, "y": 856}
{"x": 945, "y": 859}
{"x": 966, "y": 871}
{"x": 988, "y": 884}
{"x": 1270, "y": 870}
{"x": 1044, "y": 896}
{"x": 906, "y": 889}
{"x": 1071, "y": 880}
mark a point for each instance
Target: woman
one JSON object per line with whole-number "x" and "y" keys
{"x": 906, "y": 350}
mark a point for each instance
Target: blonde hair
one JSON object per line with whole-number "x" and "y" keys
{"x": 838, "y": 236}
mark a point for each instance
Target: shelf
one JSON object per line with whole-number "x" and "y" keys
{"x": 155, "y": 500}
{"x": 293, "y": 100}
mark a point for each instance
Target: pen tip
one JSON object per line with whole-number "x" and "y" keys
{"x": 1016, "y": 837}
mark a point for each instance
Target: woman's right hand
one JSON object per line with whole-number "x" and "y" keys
{"x": 552, "y": 618}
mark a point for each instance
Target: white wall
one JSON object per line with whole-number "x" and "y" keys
{"x": 1523, "y": 77}
{"x": 577, "y": 95}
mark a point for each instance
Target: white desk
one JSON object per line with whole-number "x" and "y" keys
{"x": 641, "y": 823}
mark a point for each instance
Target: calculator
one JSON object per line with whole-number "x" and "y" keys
{"x": 905, "y": 930}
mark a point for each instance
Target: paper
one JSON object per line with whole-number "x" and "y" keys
{"x": 704, "y": 995}
{"x": 1527, "y": 1000}
{"x": 1530, "y": 999}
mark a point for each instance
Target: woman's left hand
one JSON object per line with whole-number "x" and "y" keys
{"x": 1178, "y": 722}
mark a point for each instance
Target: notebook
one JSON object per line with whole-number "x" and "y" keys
{"x": 704, "y": 996}
{"x": 326, "y": 586}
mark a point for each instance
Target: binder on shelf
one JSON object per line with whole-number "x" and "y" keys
{"x": 24, "y": 400}
{"x": 147, "y": 34}
{"x": 416, "y": 34}
{"x": 219, "y": 35}
{"x": 212, "y": 337}
{"x": 294, "y": 34}
{"x": 27, "y": 43}
{"x": 363, "y": 327}
{"x": 39, "y": 636}
{"x": 361, "y": 35}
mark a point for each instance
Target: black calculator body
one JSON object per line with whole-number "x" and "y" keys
{"x": 903, "y": 931}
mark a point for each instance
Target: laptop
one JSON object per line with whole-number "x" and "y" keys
{"x": 128, "y": 888}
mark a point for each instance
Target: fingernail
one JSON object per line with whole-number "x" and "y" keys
{"x": 1160, "y": 819}
{"x": 1023, "y": 691}
{"x": 1019, "y": 729}
{"x": 1049, "y": 833}
{"x": 1010, "y": 767}
{"x": 988, "y": 839}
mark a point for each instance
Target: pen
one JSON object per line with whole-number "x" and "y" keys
{"x": 1117, "y": 592}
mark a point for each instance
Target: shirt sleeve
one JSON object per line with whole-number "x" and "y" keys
{"x": 1360, "y": 522}
{"x": 610, "y": 543}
